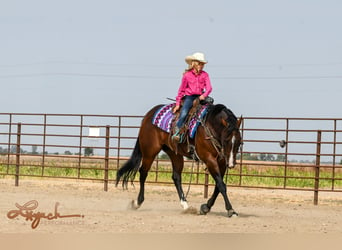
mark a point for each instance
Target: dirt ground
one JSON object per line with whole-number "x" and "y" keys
{"x": 260, "y": 211}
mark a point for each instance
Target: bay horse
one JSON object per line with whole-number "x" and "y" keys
{"x": 216, "y": 142}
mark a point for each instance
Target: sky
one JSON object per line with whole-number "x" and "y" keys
{"x": 266, "y": 57}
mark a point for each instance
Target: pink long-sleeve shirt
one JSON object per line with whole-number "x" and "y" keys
{"x": 194, "y": 84}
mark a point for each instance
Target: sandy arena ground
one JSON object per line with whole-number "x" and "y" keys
{"x": 260, "y": 211}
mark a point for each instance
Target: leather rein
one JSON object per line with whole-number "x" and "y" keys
{"x": 216, "y": 144}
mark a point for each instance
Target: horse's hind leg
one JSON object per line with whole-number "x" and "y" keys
{"x": 177, "y": 168}
{"x": 143, "y": 172}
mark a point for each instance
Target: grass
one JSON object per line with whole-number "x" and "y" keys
{"x": 276, "y": 177}
{"x": 246, "y": 175}
{"x": 94, "y": 171}
{"x": 269, "y": 177}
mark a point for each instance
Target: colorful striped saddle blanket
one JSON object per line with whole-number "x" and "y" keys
{"x": 163, "y": 119}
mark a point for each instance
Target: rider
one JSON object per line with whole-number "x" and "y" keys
{"x": 195, "y": 83}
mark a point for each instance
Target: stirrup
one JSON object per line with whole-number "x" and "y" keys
{"x": 179, "y": 138}
{"x": 176, "y": 136}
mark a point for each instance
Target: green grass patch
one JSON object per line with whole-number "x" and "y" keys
{"x": 256, "y": 176}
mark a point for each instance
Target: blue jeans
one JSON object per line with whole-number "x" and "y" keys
{"x": 187, "y": 105}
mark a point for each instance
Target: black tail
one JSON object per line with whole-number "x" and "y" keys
{"x": 130, "y": 168}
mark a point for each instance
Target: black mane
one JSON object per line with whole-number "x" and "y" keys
{"x": 214, "y": 110}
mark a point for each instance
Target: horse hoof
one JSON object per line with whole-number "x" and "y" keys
{"x": 231, "y": 213}
{"x": 134, "y": 205}
{"x": 204, "y": 209}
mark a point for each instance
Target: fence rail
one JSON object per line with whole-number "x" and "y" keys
{"x": 277, "y": 153}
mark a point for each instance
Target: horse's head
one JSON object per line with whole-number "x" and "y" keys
{"x": 232, "y": 144}
{"x": 226, "y": 128}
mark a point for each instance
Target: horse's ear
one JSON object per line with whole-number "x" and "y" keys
{"x": 239, "y": 122}
{"x": 224, "y": 122}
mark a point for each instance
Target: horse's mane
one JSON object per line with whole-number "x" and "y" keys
{"x": 214, "y": 110}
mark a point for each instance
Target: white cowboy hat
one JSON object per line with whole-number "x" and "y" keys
{"x": 198, "y": 56}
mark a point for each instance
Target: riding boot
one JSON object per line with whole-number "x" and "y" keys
{"x": 176, "y": 136}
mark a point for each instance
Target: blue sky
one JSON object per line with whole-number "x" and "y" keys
{"x": 266, "y": 57}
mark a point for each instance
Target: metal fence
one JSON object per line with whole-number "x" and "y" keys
{"x": 277, "y": 153}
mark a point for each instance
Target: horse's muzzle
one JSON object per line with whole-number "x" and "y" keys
{"x": 231, "y": 165}
{"x": 231, "y": 162}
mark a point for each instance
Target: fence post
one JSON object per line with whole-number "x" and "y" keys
{"x": 106, "y": 159}
{"x": 119, "y": 144}
{"x": 17, "y": 156}
{"x": 317, "y": 167}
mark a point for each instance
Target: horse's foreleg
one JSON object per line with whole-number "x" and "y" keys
{"x": 205, "y": 208}
{"x": 223, "y": 190}
{"x": 215, "y": 173}
{"x": 220, "y": 187}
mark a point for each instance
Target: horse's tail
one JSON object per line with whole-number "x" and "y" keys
{"x": 130, "y": 168}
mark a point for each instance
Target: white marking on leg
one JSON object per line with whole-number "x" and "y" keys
{"x": 135, "y": 204}
{"x": 184, "y": 204}
{"x": 231, "y": 155}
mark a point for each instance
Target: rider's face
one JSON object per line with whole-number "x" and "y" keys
{"x": 198, "y": 66}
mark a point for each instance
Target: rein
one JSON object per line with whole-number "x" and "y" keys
{"x": 192, "y": 170}
{"x": 216, "y": 144}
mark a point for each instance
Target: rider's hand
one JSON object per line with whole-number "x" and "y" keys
{"x": 175, "y": 109}
{"x": 202, "y": 97}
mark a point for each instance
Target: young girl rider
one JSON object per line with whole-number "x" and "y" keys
{"x": 195, "y": 83}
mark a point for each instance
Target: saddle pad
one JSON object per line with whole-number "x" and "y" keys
{"x": 163, "y": 119}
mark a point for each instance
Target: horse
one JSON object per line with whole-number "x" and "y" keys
{"x": 216, "y": 143}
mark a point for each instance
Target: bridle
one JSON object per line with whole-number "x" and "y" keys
{"x": 218, "y": 146}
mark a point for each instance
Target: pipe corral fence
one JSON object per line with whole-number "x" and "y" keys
{"x": 277, "y": 153}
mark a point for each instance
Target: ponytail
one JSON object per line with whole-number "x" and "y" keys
{"x": 190, "y": 66}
